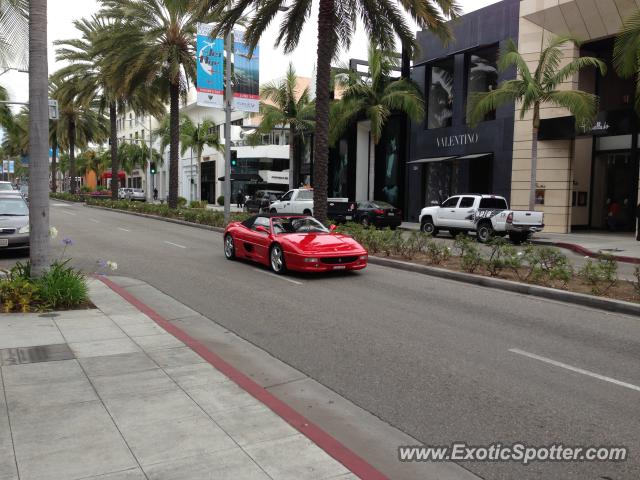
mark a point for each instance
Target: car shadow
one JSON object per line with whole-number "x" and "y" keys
{"x": 303, "y": 275}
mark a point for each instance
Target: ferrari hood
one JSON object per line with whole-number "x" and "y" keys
{"x": 323, "y": 243}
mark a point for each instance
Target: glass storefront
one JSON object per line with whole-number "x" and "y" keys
{"x": 482, "y": 73}
{"x": 440, "y": 102}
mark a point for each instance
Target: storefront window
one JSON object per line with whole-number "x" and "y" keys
{"x": 440, "y": 105}
{"x": 482, "y": 74}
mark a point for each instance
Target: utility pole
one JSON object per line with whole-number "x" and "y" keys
{"x": 228, "y": 98}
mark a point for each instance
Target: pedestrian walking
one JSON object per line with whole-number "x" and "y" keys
{"x": 239, "y": 198}
{"x": 155, "y": 193}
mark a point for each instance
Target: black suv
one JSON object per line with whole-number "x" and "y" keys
{"x": 261, "y": 200}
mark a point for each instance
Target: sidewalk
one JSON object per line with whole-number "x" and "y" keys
{"x": 109, "y": 394}
{"x": 623, "y": 246}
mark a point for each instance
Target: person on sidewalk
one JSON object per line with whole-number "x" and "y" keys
{"x": 155, "y": 194}
{"x": 239, "y": 198}
{"x": 612, "y": 215}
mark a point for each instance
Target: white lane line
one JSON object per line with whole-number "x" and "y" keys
{"x": 575, "y": 369}
{"x": 68, "y": 213}
{"x": 93, "y": 220}
{"x": 279, "y": 277}
{"x": 175, "y": 244}
{"x": 123, "y": 229}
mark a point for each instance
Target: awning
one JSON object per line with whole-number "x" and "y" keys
{"x": 474, "y": 155}
{"x": 121, "y": 174}
{"x": 246, "y": 177}
{"x": 432, "y": 159}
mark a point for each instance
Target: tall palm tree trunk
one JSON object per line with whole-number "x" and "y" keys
{"x": 534, "y": 156}
{"x": 72, "y": 157}
{"x": 38, "y": 138}
{"x": 325, "y": 52}
{"x": 113, "y": 120}
{"x": 54, "y": 166}
{"x": 174, "y": 143}
{"x": 293, "y": 168}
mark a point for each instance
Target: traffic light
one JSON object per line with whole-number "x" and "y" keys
{"x": 234, "y": 158}
{"x": 153, "y": 168}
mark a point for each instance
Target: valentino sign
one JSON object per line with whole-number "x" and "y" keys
{"x": 455, "y": 140}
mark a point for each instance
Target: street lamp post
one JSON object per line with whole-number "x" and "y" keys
{"x": 228, "y": 98}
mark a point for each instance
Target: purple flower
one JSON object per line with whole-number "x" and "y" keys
{"x": 67, "y": 241}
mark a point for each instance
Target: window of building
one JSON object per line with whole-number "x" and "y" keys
{"x": 482, "y": 74}
{"x": 440, "y": 103}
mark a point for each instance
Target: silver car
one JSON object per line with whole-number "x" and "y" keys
{"x": 136, "y": 194}
{"x": 14, "y": 222}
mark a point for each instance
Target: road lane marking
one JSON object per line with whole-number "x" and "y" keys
{"x": 123, "y": 229}
{"x": 279, "y": 277}
{"x": 175, "y": 244}
{"x": 575, "y": 369}
{"x": 68, "y": 213}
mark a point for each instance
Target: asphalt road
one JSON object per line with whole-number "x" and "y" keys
{"x": 442, "y": 361}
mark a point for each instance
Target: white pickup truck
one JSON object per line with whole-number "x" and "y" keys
{"x": 299, "y": 201}
{"x": 487, "y": 215}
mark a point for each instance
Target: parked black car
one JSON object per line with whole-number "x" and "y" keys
{"x": 261, "y": 200}
{"x": 379, "y": 214}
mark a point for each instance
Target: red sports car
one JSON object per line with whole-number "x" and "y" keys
{"x": 293, "y": 242}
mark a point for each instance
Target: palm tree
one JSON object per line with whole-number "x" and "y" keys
{"x": 284, "y": 106}
{"x": 156, "y": 47}
{"x": 382, "y": 21}
{"x": 533, "y": 89}
{"x": 80, "y": 123}
{"x": 88, "y": 60}
{"x": 196, "y": 137}
{"x": 14, "y": 33}
{"x": 38, "y": 139}
{"x": 374, "y": 97}
{"x": 626, "y": 52}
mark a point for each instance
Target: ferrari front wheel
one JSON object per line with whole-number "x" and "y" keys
{"x": 229, "y": 248}
{"x": 277, "y": 259}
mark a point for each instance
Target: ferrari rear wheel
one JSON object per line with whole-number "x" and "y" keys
{"x": 229, "y": 249}
{"x": 277, "y": 259}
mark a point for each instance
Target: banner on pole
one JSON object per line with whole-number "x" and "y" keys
{"x": 5, "y": 166}
{"x": 210, "y": 74}
{"x": 12, "y": 166}
{"x": 210, "y": 58}
{"x": 246, "y": 75}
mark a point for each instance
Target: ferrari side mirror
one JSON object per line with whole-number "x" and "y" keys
{"x": 262, "y": 229}
{"x": 332, "y": 228}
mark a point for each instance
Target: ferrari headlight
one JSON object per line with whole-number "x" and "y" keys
{"x": 24, "y": 229}
{"x": 311, "y": 260}
{"x": 363, "y": 257}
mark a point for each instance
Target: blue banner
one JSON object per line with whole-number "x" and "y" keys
{"x": 210, "y": 75}
{"x": 246, "y": 73}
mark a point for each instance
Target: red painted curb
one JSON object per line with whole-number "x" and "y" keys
{"x": 588, "y": 253}
{"x": 322, "y": 439}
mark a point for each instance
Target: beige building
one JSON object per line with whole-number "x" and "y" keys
{"x": 587, "y": 176}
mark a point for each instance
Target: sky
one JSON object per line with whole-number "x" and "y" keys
{"x": 273, "y": 63}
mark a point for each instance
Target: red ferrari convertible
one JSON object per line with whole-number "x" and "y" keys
{"x": 293, "y": 242}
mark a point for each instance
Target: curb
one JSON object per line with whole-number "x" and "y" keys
{"x": 579, "y": 249}
{"x": 322, "y": 439}
{"x": 582, "y": 299}
{"x": 586, "y": 252}
{"x": 163, "y": 219}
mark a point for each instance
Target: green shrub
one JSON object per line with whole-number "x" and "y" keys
{"x": 85, "y": 189}
{"x": 437, "y": 253}
{"x": 198, "y": 204}
{"x": 18, "y": 294}
{"x": 220, "y": 200}
{"x": 62, "y": 287}
{"x": 182, "y": 202}
{"x": 503, "y": 256}
{"x": 69, "y": 197}
{"x": 600, "y": 275}
{"x": 547, "y": 266}
{"x": 101, "y": 188}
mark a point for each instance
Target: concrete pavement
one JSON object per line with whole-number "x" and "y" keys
{"x": 432, "y": 358}
{"x": 120, "y": 398}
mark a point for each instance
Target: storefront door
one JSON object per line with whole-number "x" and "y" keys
{"x": 615, "y": 192}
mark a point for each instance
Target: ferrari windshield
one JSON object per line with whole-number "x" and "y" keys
{"x": 297, "y": 225}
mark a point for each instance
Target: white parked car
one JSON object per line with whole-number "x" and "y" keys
{"x": 137, "y": 194}
{"x": 123, "y": 193}
{"x": 6, "y": 188}
{"x": 487, "y": 215}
